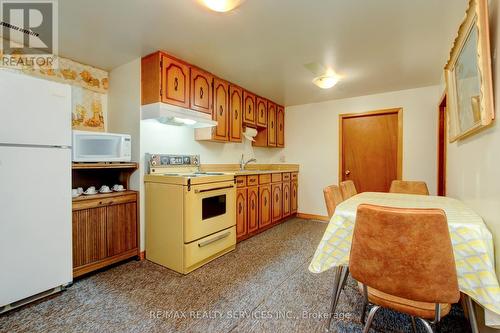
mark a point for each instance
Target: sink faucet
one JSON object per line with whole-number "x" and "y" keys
{"x": 243, "y": 164}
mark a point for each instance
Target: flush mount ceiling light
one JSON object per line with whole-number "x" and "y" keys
{"x": 221, "y": 6}
{"x": 326, "y": 81}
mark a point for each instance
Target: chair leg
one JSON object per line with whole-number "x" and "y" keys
{"x": 335, "y": 295}
{"x": 413, "y": 324}
{"x": 363, "y": 313}
{"x": 426, "y": 324}
{"x": 371, "y": 315}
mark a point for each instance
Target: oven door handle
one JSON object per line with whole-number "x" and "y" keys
{"x": 214, "y": 189}
{"x": 215, "y": 239}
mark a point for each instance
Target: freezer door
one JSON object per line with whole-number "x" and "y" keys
{"x": 34, "y": 111}
{"x": 35, "y": 221}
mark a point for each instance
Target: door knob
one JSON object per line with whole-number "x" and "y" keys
{"x": 347, "y": 172}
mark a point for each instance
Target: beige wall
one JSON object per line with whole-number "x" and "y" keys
{"x": 312, "y": 139}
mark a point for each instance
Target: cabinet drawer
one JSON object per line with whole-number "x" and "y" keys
{"x": 241, "y": 181}
{"x": 264, "y": 179}
{"x": 205, "y": 249}
{"x": 252, "y": 180}
{"x": 295, "y": 176}
{"x": 276, "y": 177}
{"x": 100, "y": 202}
{"x": 286, "y": 176}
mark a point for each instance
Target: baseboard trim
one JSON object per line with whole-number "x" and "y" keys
{"x": 313, "y": 217}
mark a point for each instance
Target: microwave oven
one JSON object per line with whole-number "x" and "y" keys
{"x": 101, "y": 147}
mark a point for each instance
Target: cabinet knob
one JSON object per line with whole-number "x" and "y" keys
{"x": 265, "y": 201}
{"x": 249, "y": 109}
{"x": 201, "y": 92}
{"x": 240, "y": 208}
{"x": 235, "y": 114}
{"x": 277, "y": 197}
{"x": 253, "y": 205}
{"x": 347, "y": 172}
{"x": 221, "y": 110}
{"x": 176, "y": 84}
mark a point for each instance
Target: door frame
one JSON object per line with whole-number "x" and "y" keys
{"x": 441, "y": 168}
{"x": 398, "y": 111}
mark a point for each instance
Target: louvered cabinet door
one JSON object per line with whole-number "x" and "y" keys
{"x": 201, "y": 90}
{"x": 235, "y": 112}
{"x": 121, "y": 228}
{"x": 175, "y": 82}
{"x": 89, "y": 236}
{"x": 253, "y": 208}
{"x": 220, "y": 111}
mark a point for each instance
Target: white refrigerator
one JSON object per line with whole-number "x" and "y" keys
{"x": 35, "y": 188}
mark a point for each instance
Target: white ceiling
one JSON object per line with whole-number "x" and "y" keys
{"x": 375, "y": 45}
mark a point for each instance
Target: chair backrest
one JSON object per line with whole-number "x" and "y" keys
{"x": 409, "y": 187}
{"x": 333, "y": 196}
{"x": 348, "y": 189}
{"x": 404, "y": 252}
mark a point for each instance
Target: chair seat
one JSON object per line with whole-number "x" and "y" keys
{"x": 414, "y": 308}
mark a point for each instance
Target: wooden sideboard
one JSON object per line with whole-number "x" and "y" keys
{"x": 105, "y": 226}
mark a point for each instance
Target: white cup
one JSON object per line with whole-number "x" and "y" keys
{"x": 104, "y": 189}
{"x": 90, "y": 190}
{"x": 74, "y": 192}
{"x": 117, "y": 187}
{"x": 79, "y": 190}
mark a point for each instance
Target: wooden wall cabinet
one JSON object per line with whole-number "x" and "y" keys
{"x": 105, "y": 226}
{"x": 262, "y": 201}
{"x": 280, "y": 126}
{"x": 201, "y": 90}
{"x": 249, "y": 118}
{"x": 221, "y": 110}
{"x": 235, "y": 112}
{"x": 261, "y": 107}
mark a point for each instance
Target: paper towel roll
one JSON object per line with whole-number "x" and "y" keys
{"x": 250, "y": 133}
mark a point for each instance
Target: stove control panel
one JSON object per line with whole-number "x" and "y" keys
{"x": 165, "y": 160}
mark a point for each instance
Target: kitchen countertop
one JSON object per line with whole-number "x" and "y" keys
{"x": 260, "y": 172}
{"x": 253, "y": 169}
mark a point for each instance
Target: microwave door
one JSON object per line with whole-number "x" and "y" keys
{"x": 97, "y": 148}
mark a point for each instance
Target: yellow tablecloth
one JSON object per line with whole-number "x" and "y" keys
{"x": 472, "y": 241}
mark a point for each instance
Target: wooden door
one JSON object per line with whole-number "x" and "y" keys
{"x": 253, "y": 208}
{"x": 277, "y": 202}
{"x": 241, "y": 212}
{"x": 261, "y": 111}
{"x": 286, "y": 199}
{"x": 280, "y": 122}
{"x": 201, "y": 90}
{"x": 442, "y": 129}
{"x": 271, "y": 124}
{"x": 175, "y": 82}
{"x": 265, "y": 217}
{"x": 235, "y": 111}
{"x": 220, "y": 111}
{"x": 371, "y": 149}
{"x": 121, "y": 228}
{"x": 293, "y": 197}
{"x": 89, "y": 236}
{"x": 249, "y": 108}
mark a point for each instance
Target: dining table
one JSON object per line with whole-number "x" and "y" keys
{"x": 471, "y": 240}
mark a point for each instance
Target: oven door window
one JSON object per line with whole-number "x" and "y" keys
{"x": 213, "y": 206}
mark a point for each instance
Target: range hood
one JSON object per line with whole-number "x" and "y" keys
{"x": 176, "y": 115}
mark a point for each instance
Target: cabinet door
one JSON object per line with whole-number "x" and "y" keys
{"x": 264, "y": 205}
{"x": 121, "y": 228}
{"x": 253, "y": 208}
{"x": 261, "y": 111}
{"x": 89, "y": 236}
{"x": 249, "y": 108}
{"x": 293, "y": 200}
{"x": 241, "y": 212}
{"x": 271, "y": 124}
{"x": 175, "y": 82}
{"x": 201, "y": 90}
{"x": 235, "y": 107}
{"x": 277, "y": 202}
{"x": 286, "y": 199}
{"x": 280, "y": 124}
{"x": 220, "y": 111}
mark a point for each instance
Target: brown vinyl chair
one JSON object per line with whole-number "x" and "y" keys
{"x": 333, "y": 196}
{"x": 409, "y": 187}
{"x": 404, "y": 260}
{"x": 348, "y": 189}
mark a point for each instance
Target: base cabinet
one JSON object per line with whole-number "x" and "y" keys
{"x": 104, "y": 231}
{"x": 262, "y": 201}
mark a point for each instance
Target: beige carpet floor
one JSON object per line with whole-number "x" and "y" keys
{"x": 262, "y": 286}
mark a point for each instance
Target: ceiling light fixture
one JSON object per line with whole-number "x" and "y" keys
{"x": 326, "y": 81}
{"x": 221, "y": 6}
